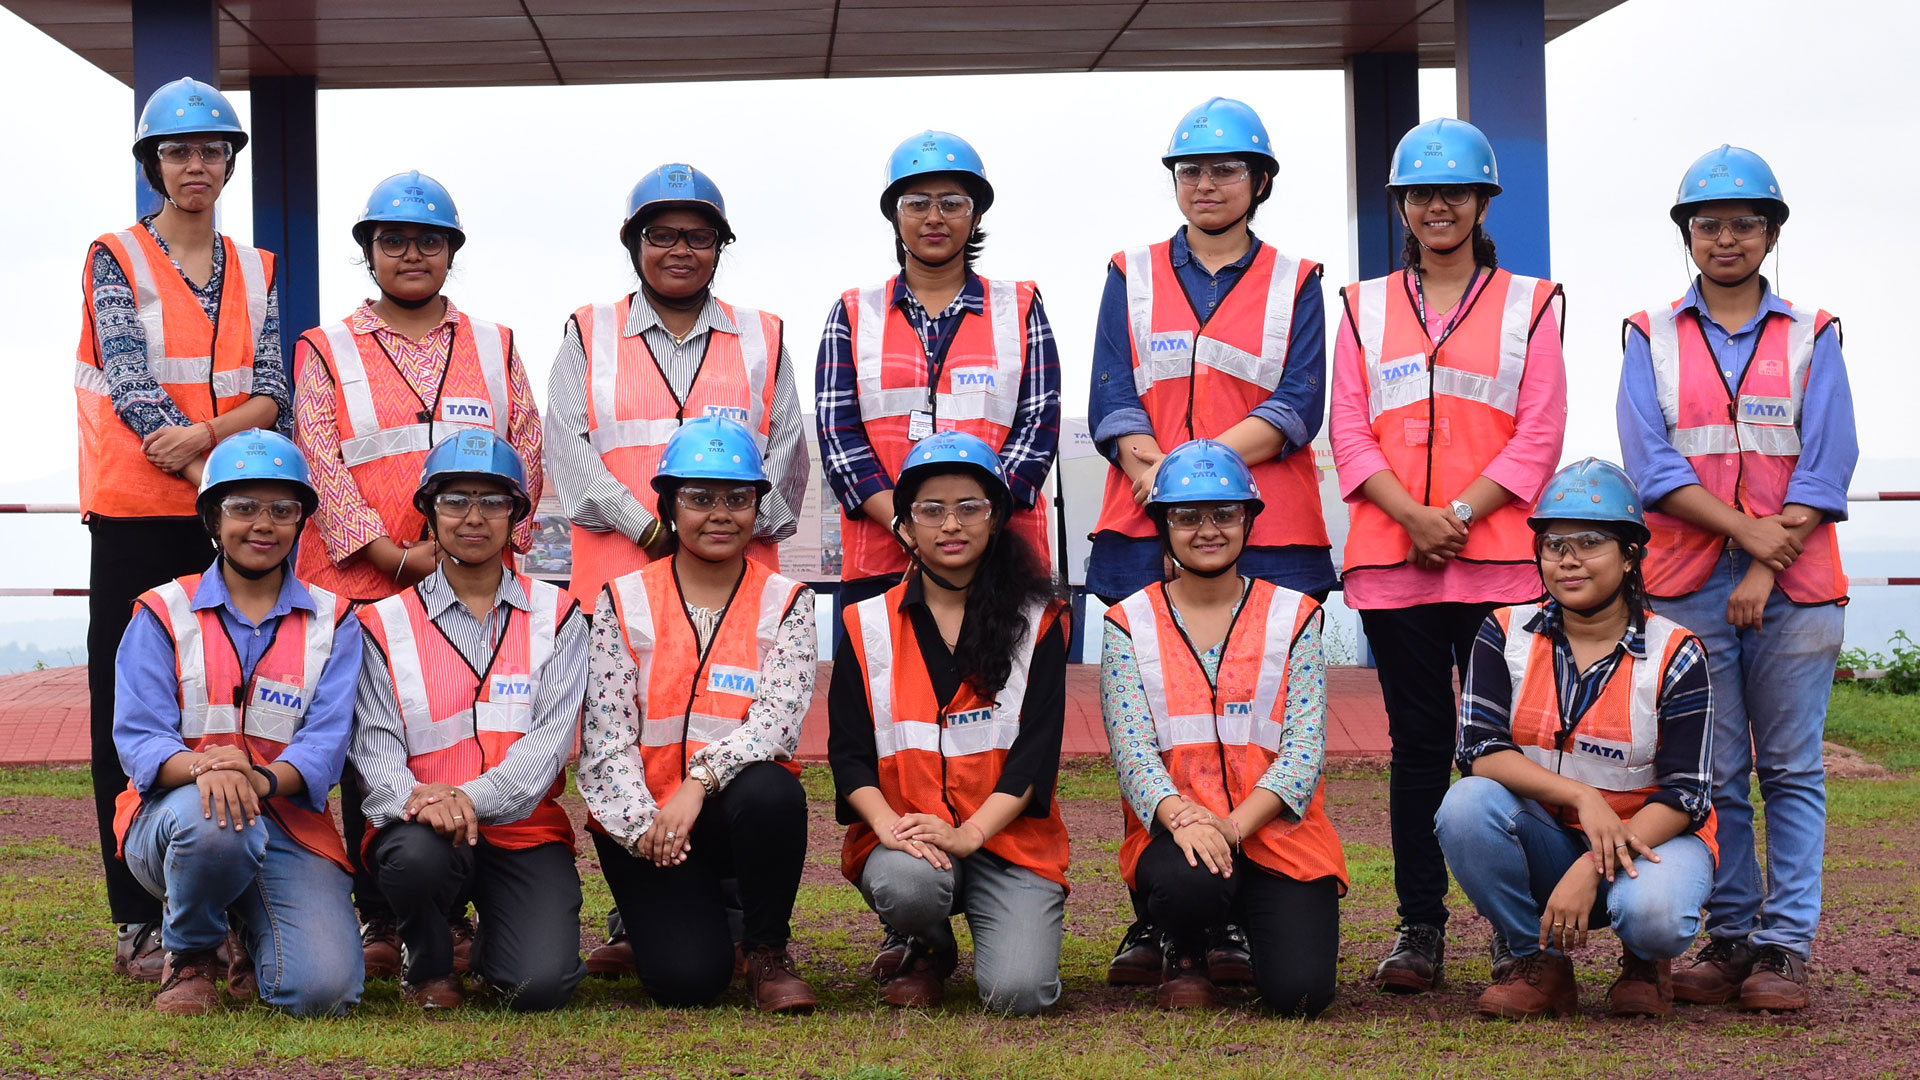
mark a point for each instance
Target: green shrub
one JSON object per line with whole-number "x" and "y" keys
{"x": 1902, "y": 666}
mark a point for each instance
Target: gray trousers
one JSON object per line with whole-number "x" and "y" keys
{"x": 1015, "y": 916}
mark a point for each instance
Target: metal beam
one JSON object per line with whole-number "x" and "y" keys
{"x": 286, "y": 196}
{"x": 1500, "y": 63}
{"x": 172, "y": 39}
{"x": 1383, "y": 102}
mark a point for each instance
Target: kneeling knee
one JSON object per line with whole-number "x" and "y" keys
{"x": 1020, "y": 999}
{"x": 541, "y": 992}
{"x": 317, "y": 993}
{"x": 1298, "y": 997}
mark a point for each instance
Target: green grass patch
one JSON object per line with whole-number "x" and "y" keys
{"x": 22, "y": 781}
{"x": 1884, "y": 727}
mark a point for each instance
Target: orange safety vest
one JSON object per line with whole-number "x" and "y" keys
{"x": 1197, "y": 378}
{"x": 1218, "y": 738}
{"x": 261, "y": 714}
{"x": 206, "y": 369}
{"x": 632, "y": 412}
{"x": 1611, "y": 747}
{"x": 690, "y": 698}
{"x": 384, "y": 436}
{"x": 1742, "y": 448}
{"x": 939, "y": 761}
{"x": 459, "y": 723}
{"x": 1442, "y": 411}
{"x": 978, "y": 392}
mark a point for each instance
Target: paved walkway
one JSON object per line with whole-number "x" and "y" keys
{"x": 43, "y": 716}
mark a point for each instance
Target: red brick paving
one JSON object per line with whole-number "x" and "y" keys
{"x": 43, "y": 716}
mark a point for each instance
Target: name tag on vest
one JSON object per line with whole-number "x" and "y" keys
{"x": 467, "y": 410}
{"x": 279, "y": 697}
{"x": 977, "y": 380}
{"x": 1417, "y": 431}
{"x": 510, "y": 689}
{"x": 732, "y": 680}
{"x": 1172, "y": 343}
{"x": 729, "y": 412}
{"x": 1766, "y": 410}
{"x": 1601, "y": 749}
{"x": 971, "y": 716}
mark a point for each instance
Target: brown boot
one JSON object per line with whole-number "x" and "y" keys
{"x": 1229, "y": 957}
{"x": 137, "y": 952}
{"x": 380, "y": 947}
{"x": 917, "y": 984}
{"x": 439, "y": 992}
{"x": 240, "y": 979}
{"x": 1716, "y": 973}
{"x": 186, "y": 987}
{"x": 1140, "y": 960}
{"x": 1644, "y": 988}
{"x": 1537, "y": 984}
{"x": 892, "y": 954}
{"x": 612, "y": 960}
{"x": 462, "y": 929}
{"x": 772, "y": 983}
{"x": 1416, "y": 963}
{"x": 1778, "y": 982}
{"x": 1184, "y": 983}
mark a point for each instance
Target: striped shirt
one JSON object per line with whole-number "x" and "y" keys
{"x": 846, "y": 455}
{"x": 1683, "y": 760}
{"x": 594, "y": 499}
{"x": 512, "y": 789}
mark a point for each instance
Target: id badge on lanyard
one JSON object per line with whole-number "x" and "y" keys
{"x": 919, "y": 425}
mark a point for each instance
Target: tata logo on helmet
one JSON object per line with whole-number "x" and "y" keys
{"x": 1611, "y": 753}
{"x": 196, "y": 100}
{"x": 1436, "y": 149}
{"x": 678, "y": 176}
{"x": 473, "y": 442}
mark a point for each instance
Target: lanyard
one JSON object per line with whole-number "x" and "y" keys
{"x": 1739, "y": 370}
{"x": 1459, "y": 308}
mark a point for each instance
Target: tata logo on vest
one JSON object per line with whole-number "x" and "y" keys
{"x": 1404, "y": 368}
{"x": 1238, "y": 709}
{"x": 971, "y": 716}
{"x": 1611, "y": 753}
{"x": 279, "y": 696}
{"x": 974, "y": 380}
{"x": 510, "y": 688}
{"x": 1171, "y": 343}
{"x": 1763, "y": 410}
{"x": 467, "y": 411}
{"x": 732, "y": 680}
{"x": 729, "y": 412}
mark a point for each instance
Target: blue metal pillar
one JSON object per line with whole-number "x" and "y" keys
{"x": 286, "y": 195}
{"x": 172, "y": 39}
{"x": 1383, "y": 102}
{"x": 1500, "y": 62}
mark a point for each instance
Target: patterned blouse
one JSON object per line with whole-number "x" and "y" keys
{"x": 1144, "y": 779}
{"x": 612, "y": 776}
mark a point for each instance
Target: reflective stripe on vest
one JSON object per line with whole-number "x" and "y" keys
{"x": 994, "y": 729}
{"x": 1159, "y": 357}
{"x": 363, "y": 439}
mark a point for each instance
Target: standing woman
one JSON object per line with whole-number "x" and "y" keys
{"x": 701, "y": 670}
{"x": 946, "y": 712}
{"x": 1227, "y": 822}
{"x": 180, "y": 348}
{"x": 1736, "y": 421}
{"x": 631, "y": 372}
{"x": 933, "y": 348}
{"x": 1448, "y": 410}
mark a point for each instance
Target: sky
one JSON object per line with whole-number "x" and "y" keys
{"x": 540, "y": 175}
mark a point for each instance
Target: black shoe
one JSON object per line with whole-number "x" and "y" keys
{"x": 892, "y": 956}
{"x": 1414, "y": 965}
{"x": 1138, "y": 961}
{"x": 1229, "y": 961}
{"x": 1501, "y": 954}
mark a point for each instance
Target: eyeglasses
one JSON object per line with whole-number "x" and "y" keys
{"x": 919, "y": 206}
{"x": 1451, "y": 194}
{"x": 966, "y": 512}
{"x": 1222, "y": 173}
{"x": 1585, "y": 546}
{"x": 394, "y": 245}
{"x": 705, "y": 500}
{"x": 1226, "y": 516}
{"x": 177, "y": 153}
{"x": 242, "y": 508}
{"x": 666, "y": 236}
{"x": 1743, "y": 228}
{"x": 457, "y": 505}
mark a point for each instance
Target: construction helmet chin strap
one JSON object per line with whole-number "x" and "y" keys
{"x": 253, "y": 575}
{"x": 1229, "y": 226}
{"x": 1590, "y": 612}
{"x": 409, "y": 305}
{"x": 692, "y": 303}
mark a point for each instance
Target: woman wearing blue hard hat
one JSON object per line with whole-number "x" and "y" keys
{"x": 467, "y": 705}
{"x": 1211, "y": 334}
{"x": 936, "y": 347}
{"x": 1447, "y": 413}
{"x": 1226, "y": 821}
{"x": 377, "y": 390}
{"x": 701, "y": 672}
{"x": 181, "y": 347}
{"x": 630, "y": 372}
{"x": 234, "y": 706}
{"x": 1585, "y": 733}
{"x": 1737, "y": 423}
{"x": 947, "y": 709}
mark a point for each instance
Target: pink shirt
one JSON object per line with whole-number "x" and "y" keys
{"x": 1522, "y": 468}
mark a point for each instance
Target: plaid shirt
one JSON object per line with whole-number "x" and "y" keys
{"x": 847, "y": 456}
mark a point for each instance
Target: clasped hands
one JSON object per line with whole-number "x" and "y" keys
{"x": 446, "y": 810}
{"x": 925, "y": 836}
{"x": 1203, "y": 836}
{"x": 230, "y": 790}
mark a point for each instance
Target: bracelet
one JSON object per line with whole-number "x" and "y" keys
{"x": 213, "y": 436}
{"x": 1236, "y": 831}
{"x": 651, "y": 534}
{"x": 977, "y": 831}
{"x": 402, "y": 568}
{"x": 273, "y": 782}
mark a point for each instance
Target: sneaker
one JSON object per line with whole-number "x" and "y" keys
{"x": 241, "y": 982}
{"x": 892, "y": 954}
{"x": 1715, "y": 976}
{"x": 461, "y": 927}
{"x": 1644, "y": 988}
{"x": 1499, "y": 955}
{"x": 1415, "y": 962}
{"x": 1778, "y": 982}
{"x": 917, "y": 984}
{"x": 1537, "y": 984}
{"x": 612, "y": 960}
{"x": 380, "y": 947}
{"x": 1229, "y": 960}
{"x": 186, "y": 986}
{"x": 439, "y": 992}
{"x": 1184, "y": 983}
{"x": 1139, "y": 960}
{"x": 772, "y": 983}
{"x": 137, "y": 952}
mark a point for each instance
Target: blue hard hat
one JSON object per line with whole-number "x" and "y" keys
{"x": 1220, "y": 125}
{"x": 1444, "y": 151}
{"x": 1728, "y": 173}
{"x": 250, "y": 455}
{"x": 1204, "y": 471}
{"x": 946, "y": 452}
{"x": 410, "y": 198}
{"x": 711, "y": 448}
{"x": 473, "y": 452}
{"x": 187, "y": 107}
{"x": 675, "y": 185}
{"x": 1591, "y": 490}
{"x": 931, "y": 153}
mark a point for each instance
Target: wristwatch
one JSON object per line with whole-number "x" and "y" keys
{"x": 1463, "y": 511}
{"x": 708, "y": 782}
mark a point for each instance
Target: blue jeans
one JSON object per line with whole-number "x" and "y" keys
{"x": 292, "y": 905}
{"x": 1770, "y": 692}
{"x": 1508, "y": 854}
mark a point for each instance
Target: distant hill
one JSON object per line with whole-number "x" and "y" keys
{"x": 52, "y": 642}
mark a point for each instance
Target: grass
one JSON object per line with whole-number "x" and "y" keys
{"x": 1884, "y": 727}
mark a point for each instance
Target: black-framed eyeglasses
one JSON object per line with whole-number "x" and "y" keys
{"x": 1584, "y": 546}
{"x": 705, "y": 500}
{"x": 1743, "y": 228}
{"x": 935, "y": 514}
{"x": 394, "y": 245}
{"x": 1451, "y": 194}
{"x": 919, "y": 206}
{"x": 666, "y": 236}
{"x": 1224, "y": 516}
{"x": 177, "y": 153}
{"x": 1222, "y": 173}
{"x": 457, "y": 504}
{"x": 243, "y": 508}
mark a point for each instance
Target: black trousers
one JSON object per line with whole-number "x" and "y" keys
{"x": 1293, "y": 927}
{"x": 368, "y": 898}
{"x": 754, "y": 831}
{"x": 130, "y": 556}
{"x": 1418, "y": 649}
{"x": 528, "y": 941}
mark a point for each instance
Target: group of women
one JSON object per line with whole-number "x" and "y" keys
{"x": 1610, "y": 716}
